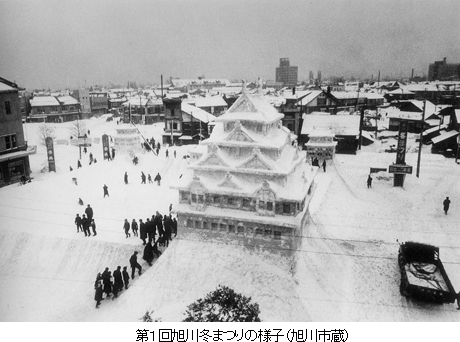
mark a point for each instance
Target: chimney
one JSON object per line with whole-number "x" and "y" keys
{"x": 293, "y": 90}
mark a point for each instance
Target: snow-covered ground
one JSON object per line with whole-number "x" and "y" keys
{"x": 346, "y": 268}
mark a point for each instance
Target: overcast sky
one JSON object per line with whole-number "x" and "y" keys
{"x": 62, "y": 43}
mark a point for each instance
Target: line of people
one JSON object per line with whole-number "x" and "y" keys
{"x": 104, "y": 284}
{"x": 157, "y": 178}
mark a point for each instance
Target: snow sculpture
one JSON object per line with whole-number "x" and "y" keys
{"x": 127, "y": 140}
{"x": 251, "y": 184}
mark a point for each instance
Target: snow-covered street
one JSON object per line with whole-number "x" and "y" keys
{"x": 346, "y": 268}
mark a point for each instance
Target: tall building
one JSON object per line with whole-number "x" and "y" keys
{"x": 14, "y": 152}
{"x": 286, "y": 73}
{"x": 247, "y": 182}
{"x": 441, "y": 71}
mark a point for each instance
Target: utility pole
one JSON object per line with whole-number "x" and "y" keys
{"x": 361, "y": 120}
{"x": 420, "y": 140}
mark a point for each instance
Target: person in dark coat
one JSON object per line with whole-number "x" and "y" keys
{"x": 446, "y": 205}
{"x": 98, "y": 294}
{"x": 143, "y": 231}
{"x": 142, "y": 178}
{"x": 174, "y": 227}
{"x": 148, "y": 253}
{"x": 149, "y": 178}
{"x": 158, "y": 178}
{"x": 126, "y": 228}
{"x": 159, "y": 224}
{"x": 89, "y": 212}
{"x": 167, "y": 153}
{"x": 117, "y": 279}
{"x": 134, "y": 264}
{"x": 369, "y": 181}
{"x": 93, "y": 226}
{"x": 158, "y": 146}
{"x": 324, "y": 165}
{"x": 134, "y": 227}
{"x": 125, "y": 277}
{"x": 78, "y": 164}
{"x": 106, "y": 190}
{"x": 150, "y": 229}
{"x": 174, "y": 153}
{"x": 78, "y": 223}
{"x": 85, "y": 150}
{"x": 126, "y": 178}
{"x": 106, "y": 275}
{"x": 90, "y": 158}
{"x": 113, "y": 153}
{"x": 156, "y": 251}
{"x": 80, "y": 201}
{"x": 85, "y": 223}
{"x": 168, "y": 230}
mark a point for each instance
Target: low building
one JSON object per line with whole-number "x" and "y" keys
{"x": 320, "y": 146}
{"x": 99, "y": 102}
{"x": 214, "y": 105}
{"x": 14, "y": 151}
{"x": 54, "y": 109}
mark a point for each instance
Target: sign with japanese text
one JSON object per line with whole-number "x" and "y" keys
{"x": 405, "y": 169}
{"x": 50, "y": 154}
{"x": 105, "y": 146}
{"x": 402, "y": 141}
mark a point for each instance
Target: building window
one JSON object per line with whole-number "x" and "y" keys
{"x": 222, "y": 227}
{"x": 240, "y": 229}
{"x": 190, "y": 223}
{"x": 231, "y": 228}
{"x": 230, "y": 201}
{"x": 258, "y": 232}
{"x": 246, "y": 202}
{"x": 268, "y": 232}
{"x": 10, "y": 142}
{"x": 16, "y": 168}
{"x": 249, "y": 231}
{"x": 198, "y": 224}
{"x": 286, "y": 208}
{"x": 277, "y": 235}
{"x": 193, "y": 198}
{"x": 270, "y": 206}
{"x": 205, "y": 225}
{"x": 216, "y": 199}
{"x": 261, "y": 205}
{"x": 214, "y": 225}
{"x": 184, "y": 196}
{"x": 200, "y": 199}
{"x": 174, "y": 125}
{"x": 7, "y": 107}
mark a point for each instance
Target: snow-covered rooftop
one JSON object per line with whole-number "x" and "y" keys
{"x": 337, "y": 124}
{"x": 210, "y": 101}
{"x": 44, "y": 101}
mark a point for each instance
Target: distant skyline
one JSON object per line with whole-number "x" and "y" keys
{"x": 59, "y": 44}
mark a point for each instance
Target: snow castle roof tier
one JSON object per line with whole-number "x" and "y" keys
{"x": 251, "y": 108}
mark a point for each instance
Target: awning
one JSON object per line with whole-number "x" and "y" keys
{"x": 174, "y": 134}
{"x": 185, "y": 137}
{"x": 14, "y": 155}
{"x": 445, "y": 136}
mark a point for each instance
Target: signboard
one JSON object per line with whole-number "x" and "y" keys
{"x": 105, "y": 146}
{"x": 402, "y": 141}
{"x": 404, "y": 169}
{"x": 50, "y": 154}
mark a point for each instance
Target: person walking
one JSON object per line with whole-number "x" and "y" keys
{"x": 90, "y": 158}
{"x": 126, "y": 178}
{"x": 142, "y": 177}
{"x": 113, "y": 153}
{"x": 174, "y": 227}
{"x": 143, "y": 231}
{"x": 134, "y": 227}
{"x": 446, "y": 205}
{"x": 369, "y": 181}
{"x": 106, "y": 190}
{"x": 85, "y": 223}
{"x": 134, "y": 264}
{"x": 324, "y": 165}
{"x": 98, "y": 294}
{"x": 150, "y": 229}
{"x": 117, "y": 279}
{"x": 89, "y": 212}
{"x": 93, "y": 226}
{"x": 149, "y": 178}
{"x": 106, "y": 275}
{"x": 148, "y": 253}
{"x": 125, "y": 277}
{"x": 167, "y": 153}
{"x": 78, "y": 223}
{"x": 174, "y": 153}
{"x": 78, "y": 164}
{"x": 126, "y": 228}
{"x": 158, "y": 179}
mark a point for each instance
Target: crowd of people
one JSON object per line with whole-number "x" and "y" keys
{"x": 86, "y": 221}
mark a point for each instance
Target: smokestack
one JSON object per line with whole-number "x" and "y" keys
{"x": 412, "y": 77}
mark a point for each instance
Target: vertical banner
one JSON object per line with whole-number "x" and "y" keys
{"x": 402, "y": 142}
{"x": 50, "y": 154}
{"x": 105, "y": 146}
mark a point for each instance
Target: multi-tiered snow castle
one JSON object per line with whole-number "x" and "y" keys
{"x": 248, "y": 182}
